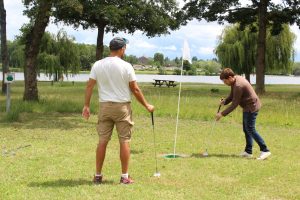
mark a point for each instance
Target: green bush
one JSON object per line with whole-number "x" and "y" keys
{"x": 296, "y": 71}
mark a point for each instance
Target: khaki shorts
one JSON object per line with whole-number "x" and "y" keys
{"x": 111, "y": 114}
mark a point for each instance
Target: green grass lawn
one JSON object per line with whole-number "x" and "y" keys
{"x": 48, "y": 150}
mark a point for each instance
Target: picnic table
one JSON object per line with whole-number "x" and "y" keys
{"x": 164, "y": 82}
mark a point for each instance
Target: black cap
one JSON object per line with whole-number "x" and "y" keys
{"x": 117, "y": 43}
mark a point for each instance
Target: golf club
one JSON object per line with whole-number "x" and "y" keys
{"x": 156, "y": 174}
{"x": 205, "y": 154}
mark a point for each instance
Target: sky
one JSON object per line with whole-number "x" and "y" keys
{"x": 202, "y": 36}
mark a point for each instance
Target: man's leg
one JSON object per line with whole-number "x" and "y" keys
{"x": 124, "y": 156}
{"x": 251, "y": 128}
{"x": 248, "y": 137}
{"x": 124, "y": 125}
{"x": 100, "y": 156}
{"x": 104, "y": 128}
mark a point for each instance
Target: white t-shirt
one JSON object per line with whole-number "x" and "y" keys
{"x": 113, "y": 76}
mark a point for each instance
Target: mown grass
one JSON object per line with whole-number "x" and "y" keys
{"x": 48, "y": 149}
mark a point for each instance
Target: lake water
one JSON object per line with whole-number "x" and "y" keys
{"x": 269, "y": 79}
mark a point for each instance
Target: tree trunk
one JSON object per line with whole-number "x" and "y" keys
{"x": 4, "y": 54}
{"x": 99, "y": 47}
{"x": 261, "y": 46}
{"x": 33, "y": 40}
{"x": 247, "y": 76}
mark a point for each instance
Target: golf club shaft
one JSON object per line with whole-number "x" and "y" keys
{"x": 214, "y": 124}
{"x": 152, "y": 117}
{"x": 219, "y": 108}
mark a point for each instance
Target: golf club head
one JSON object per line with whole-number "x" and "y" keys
{"x": 156, "y": 174}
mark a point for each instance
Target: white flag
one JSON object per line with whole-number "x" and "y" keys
{"x": 186, "y": 55}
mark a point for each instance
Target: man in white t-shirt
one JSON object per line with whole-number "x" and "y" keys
{"x": 116, "y": 81}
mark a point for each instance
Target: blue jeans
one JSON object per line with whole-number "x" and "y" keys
{"x": 251, "y": 133}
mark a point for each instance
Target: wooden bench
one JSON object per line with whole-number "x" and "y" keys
{"x": 160, "y": 83}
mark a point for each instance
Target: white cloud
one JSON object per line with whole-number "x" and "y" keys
{"x": 14, "y": 18}
{"x": 206, "y": 50}
{"x": 143, "y": 44}
{"x": 170, "y": 48}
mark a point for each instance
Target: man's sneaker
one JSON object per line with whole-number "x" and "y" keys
{"x": 128, "y": 180}
{"x": 97, "y": 179}
{"x": 246, "y": 155}
{"x": 263, "y": 155}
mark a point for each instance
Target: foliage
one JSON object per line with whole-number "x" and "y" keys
{"x": 280, "y": 51}
{"x": 264, "y": 12}
{"x": 186, "y": 65}
{"x": 159, "y": 59}
{"x": 238, "y": 48}
{"x": 177, "y": 61}
{"x": 58, "y": 55}
{"x": 177, "y": 71}
{"x": 87, "y": 55}
{"x": 192, "y": 71}
{"x": 209, "y": 67}
{"x": 162, "y": 71}
{"x": 151, "y": 17}
{"x": 194, "y": 59}
{"x": 16, "y": 53}
{"x": 296, "y": 69}
{"x": 131, "y": 59}
{"x": 233, "y": 11}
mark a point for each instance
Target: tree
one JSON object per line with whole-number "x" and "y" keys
{"x": 16, "y": 54}
{"x": 39, "y": 12}
{"x": 280, "y": 51}
{"x": 58, "y": 55}
{"x": 131, "y": 59}
{"x": 150, "y": 17}
{"x": 4, "y": 54}
{"x": 186, "y": 65}
{"x": 159, "y": 59}
{"x": 177, "y": 61}
{"x": 264, "y": 12}
{"x": 39, "y": 16}
{"x": 237, "y": 49}
{"x": 87, "y": 55}
{"x": 194, "y": 59}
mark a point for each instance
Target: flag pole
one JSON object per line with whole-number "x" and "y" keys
{"x": 185, "y": 56}
{"x": 178, "y": 110}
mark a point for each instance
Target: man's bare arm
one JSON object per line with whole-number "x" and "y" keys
{"x": 136, "y": 91}
{"x": 88, "y": 94}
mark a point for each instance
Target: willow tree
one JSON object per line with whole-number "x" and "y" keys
{"x": 266, "y": 13}
{"x": 59, "y": 55}
{"x": 238, "y": 48}
{"x": 151, "y": 17}
{"x": 280, "y": 51}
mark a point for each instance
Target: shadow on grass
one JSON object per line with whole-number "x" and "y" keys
{"x": 198, "y": 155}
{"x": 63, "y": 121}
{"x": 67, "y": 183}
